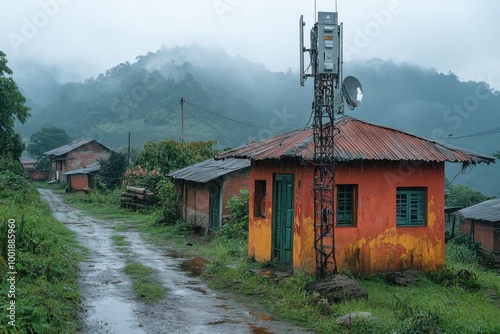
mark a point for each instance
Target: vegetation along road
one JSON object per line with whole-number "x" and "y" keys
{"x": 173, "y": 298}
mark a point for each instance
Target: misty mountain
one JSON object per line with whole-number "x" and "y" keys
{"x": 234, "y": 101}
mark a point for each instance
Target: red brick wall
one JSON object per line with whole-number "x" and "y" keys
{"x": 86, "y": 155}
{"x": 484, "y": 233}
{"x": 232, "y": 187}
{"x": 38, "y": 175}
{"x": 195, "y": 203}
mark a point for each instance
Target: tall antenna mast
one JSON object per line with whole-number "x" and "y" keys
{"x": 329, "y": 94}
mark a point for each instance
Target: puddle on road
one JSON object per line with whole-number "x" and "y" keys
{"x": 261, "y": 316}
{"x": 110, "y": 315}
{"x": 259, "y": 330}
{"x": 194, "y": 266}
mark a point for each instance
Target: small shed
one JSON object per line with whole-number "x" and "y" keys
{"x": 75, "y": 155}
{"x": 205, "y": 188}
{"x": 82, "y": 179}
{"x": 481, "y": 223}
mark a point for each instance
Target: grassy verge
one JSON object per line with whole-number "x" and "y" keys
{"x": 144, "y": 283}
{"x": 119, "y": 240}
{"x": 46, "y": 263}
{"x": 458, "y": 299}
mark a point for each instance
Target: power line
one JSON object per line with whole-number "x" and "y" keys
{"x": 228, "y": 118}
{"x": 219, "y": 129}
{"x": 474, "y": 134}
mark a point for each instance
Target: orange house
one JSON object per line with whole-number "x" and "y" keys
{"x": 389, "y": 198}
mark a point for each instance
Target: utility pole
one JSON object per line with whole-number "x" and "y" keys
{"x": 182, "y": 119}
{"x": 128, "y": 150}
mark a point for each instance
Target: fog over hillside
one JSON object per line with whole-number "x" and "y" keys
{"x": 234, "y": 101}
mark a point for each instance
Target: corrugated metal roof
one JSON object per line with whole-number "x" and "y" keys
{"x": 488, "y": 211}
{"x": 70, "y": 147}
{"x": 85, "y": 170}
{"x": 356, "y": 140}
{"x": 209, "y": 170}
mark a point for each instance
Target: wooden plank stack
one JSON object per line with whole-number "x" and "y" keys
{"x": 136, "y": 197}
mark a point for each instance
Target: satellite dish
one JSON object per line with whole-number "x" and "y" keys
{"x": 352, "y": 92}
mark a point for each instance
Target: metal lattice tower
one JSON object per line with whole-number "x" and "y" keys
{"x": 329, "y": 93}
{"x": 326, "y": 70}
{"x": 324, "y": 176}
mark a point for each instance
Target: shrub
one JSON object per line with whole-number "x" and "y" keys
{"x": 141, "y": 177}
{"x": 168, "y": 199}
{"x": 237, "y": 228}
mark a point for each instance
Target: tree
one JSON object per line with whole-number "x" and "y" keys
{"x": 464, "y": 196}
{"x": 113, "y": 168}
{"x": 168, "y": 155}
{"x": 45, "y": 140}
{"x": 12, "y": 107}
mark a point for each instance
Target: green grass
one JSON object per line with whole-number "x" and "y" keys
{"x": 47, "y": 261}
{"x": 146, "y": 286}
{"x": 119, "y": 240}
{"x": 449, "y": 301}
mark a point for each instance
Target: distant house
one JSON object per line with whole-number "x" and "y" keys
{"x": 481, "y": 223}
{"x": 75, "y": 155}
{"x": 82, "y": 179}
{"x": 389, "y": 198}
{"x": 33, "y": 173}
{"x": 28, "y": 163}
{"x": 205, "y": 188}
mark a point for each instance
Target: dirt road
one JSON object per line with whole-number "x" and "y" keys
{"x": 110, "y": 304}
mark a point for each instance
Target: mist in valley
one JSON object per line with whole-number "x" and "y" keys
{"x": 234, "y": 101}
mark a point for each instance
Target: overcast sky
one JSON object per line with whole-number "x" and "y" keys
{"x": 87, "y": 37}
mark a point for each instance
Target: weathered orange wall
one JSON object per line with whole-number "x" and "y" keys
{"x": 375, "y": 244}
{"x": 79, "y": 182}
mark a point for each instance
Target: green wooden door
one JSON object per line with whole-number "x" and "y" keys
{"x": 214, "y": 211}
{"x": 283, "y": 198}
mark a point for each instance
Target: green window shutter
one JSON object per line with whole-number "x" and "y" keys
{"x": 410, "y": 207}
{"x": 346, "y": 205}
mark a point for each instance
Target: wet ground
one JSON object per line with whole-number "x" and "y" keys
{"x": 111, "y": 306}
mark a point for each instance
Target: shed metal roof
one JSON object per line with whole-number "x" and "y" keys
{"x": 488, "y": 211}
{"x": 209, "y": 170}
{"x": 58, "y": 151}
{"x": 95, "y": 167}
{"x": 357, "y": 140}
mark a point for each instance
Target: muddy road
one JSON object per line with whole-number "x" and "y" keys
{"x": 111, "y": 306}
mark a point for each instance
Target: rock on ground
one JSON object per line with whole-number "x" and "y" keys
{"x": 349, "y": 319}
{"x": 337, "y": 288}
{"x": 404, "y": 277}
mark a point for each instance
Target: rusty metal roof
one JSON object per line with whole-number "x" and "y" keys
{"x": 61, "y": 150}
{"x": 209, "y": 170}
{"x": 357, "y": 140}
{"x": 488, "y": 211}
{"x": 95, "y": 167}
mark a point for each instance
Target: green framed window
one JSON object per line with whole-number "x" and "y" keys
{"x": 411, "y": 207}
{"x": 346, "y": 204}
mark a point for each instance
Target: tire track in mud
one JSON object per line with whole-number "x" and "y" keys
{"x": 110, "y": 304}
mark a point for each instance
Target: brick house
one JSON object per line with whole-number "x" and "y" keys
{"x": 206, "y": 187}
{"x": 481, "y": 223}
{"x": 75, "y": 155}
{"x": 388, "y": 195}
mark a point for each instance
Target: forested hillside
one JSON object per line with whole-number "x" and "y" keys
{"x": 234, "y": 101}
